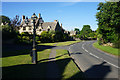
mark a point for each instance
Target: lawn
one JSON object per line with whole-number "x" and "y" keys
{"x": 66, "y": 43}
{"x": 108, "y": 49}
{"x": 60, "y": 43}
{"x": 68, "y": 68}
{"x": 20, "y": 66}
{"x": 17, "y": 64}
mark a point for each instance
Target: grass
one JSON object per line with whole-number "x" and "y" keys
{"x": 66, "y": 43}
{"x": 67, "y": 66}
{"x": 20, "y": 66}
{"x": 47, "y": 44}
{"x": 15, "y": 59}
{"x": 22, "y": 59}
{"x": 108, "y": 49}
{"x": 17, "y": 64}
{"x": 60, "y": 43}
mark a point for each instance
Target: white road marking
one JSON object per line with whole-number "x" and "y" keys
{"x": 85, "y": 50}
{"x": 99, "y": 58}
{"x": 93, "y": 55}
{"x": 113, "y": 64}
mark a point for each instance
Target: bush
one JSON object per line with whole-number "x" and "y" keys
{"x": 45, "y": 37}
{"x": 8, "y": 33}
{"x": 116, "y": 44}
{"x": 53, "y": 36}
{"x": 24, "y": 38}
{"x": 37, "y": 38}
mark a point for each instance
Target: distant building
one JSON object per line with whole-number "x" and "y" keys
{"x": 40, "y": 25}
{"x": 72, "y": 33}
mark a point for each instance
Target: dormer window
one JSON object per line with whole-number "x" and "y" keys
{"x": 49, "y": 27}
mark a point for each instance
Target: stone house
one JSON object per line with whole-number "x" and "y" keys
{"x": 40, "y": 25}
{"x": 72, "y": 33}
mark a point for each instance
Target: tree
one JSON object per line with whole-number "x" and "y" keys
{"x": 8, "y": 33}
{"x": 15, "y": 22}
{"x": 59, "y": 36}
{"x": 108, "y": 17}
{"x": 77, "y": 30}
{"x": 5, "y": 19}
{"x": 84, "y": 33}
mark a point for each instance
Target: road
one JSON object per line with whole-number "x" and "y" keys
{"x": 93, "y": 62}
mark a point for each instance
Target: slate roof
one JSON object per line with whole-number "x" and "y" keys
{"x": 39, "y": 20}
{"x": 52, "y": 25}
{"x": 45, "y": 25}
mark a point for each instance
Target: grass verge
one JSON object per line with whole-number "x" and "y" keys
{"x": 60, "y": 43}
{"x": 67, "y": 67}
{"x": 108, "y": 49}
{"x": 20, "y": 66}
{"x": 66, "y": 43}
{"x": 17, "y": 64}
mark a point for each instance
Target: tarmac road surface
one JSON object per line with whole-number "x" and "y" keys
{"x": 93, "y": 62}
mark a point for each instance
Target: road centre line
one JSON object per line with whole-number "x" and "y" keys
{"x": 93, "y": 55}
{"x": 99, "y": 58}
{"x": 85, "y": 50}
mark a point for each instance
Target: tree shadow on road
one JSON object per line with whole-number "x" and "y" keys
{"x": 97, "y": 72}
{"x": 75, "y": 53}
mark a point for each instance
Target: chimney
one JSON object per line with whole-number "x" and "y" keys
{"x": 39, "y": 15}
{"x": 61, "y": 25}
{"x": 23, "y": 17}
{"x": 55, "y": 20}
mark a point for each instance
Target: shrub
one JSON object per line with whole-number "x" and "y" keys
{"x": 116, "y": 44}
{"x": 37, "y": 38}
{"x": 45, "y": 37}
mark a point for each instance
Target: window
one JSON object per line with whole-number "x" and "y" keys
{"x": 48, "y": 29}
{"x": 40, "y": 30}
{"x": 29, "y": 28}
{"x": 24, "y": 28}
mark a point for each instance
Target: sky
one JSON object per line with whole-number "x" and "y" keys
{"x": 70, "y": 14}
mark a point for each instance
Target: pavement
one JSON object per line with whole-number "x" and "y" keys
{"x": 52, "y": 67}
{"x": 93, "y": 62}
{"x": 53, "y": 71}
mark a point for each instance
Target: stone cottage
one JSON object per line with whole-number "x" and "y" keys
{"x": 40, "y": 25}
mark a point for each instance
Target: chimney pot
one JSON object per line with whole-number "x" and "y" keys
{"x": 23, "y": 17}
{"x": 39, "y": 15}
{"x": 55, "y": 20}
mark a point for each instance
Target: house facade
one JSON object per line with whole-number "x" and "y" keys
{"x": 40, "y": 25}
{"x": 72, "y": 33}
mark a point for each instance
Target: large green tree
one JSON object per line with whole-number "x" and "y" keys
{"x": 86, "y": 30}
{"x": 77, "y": 30}
{"x": 108, "y": 17}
